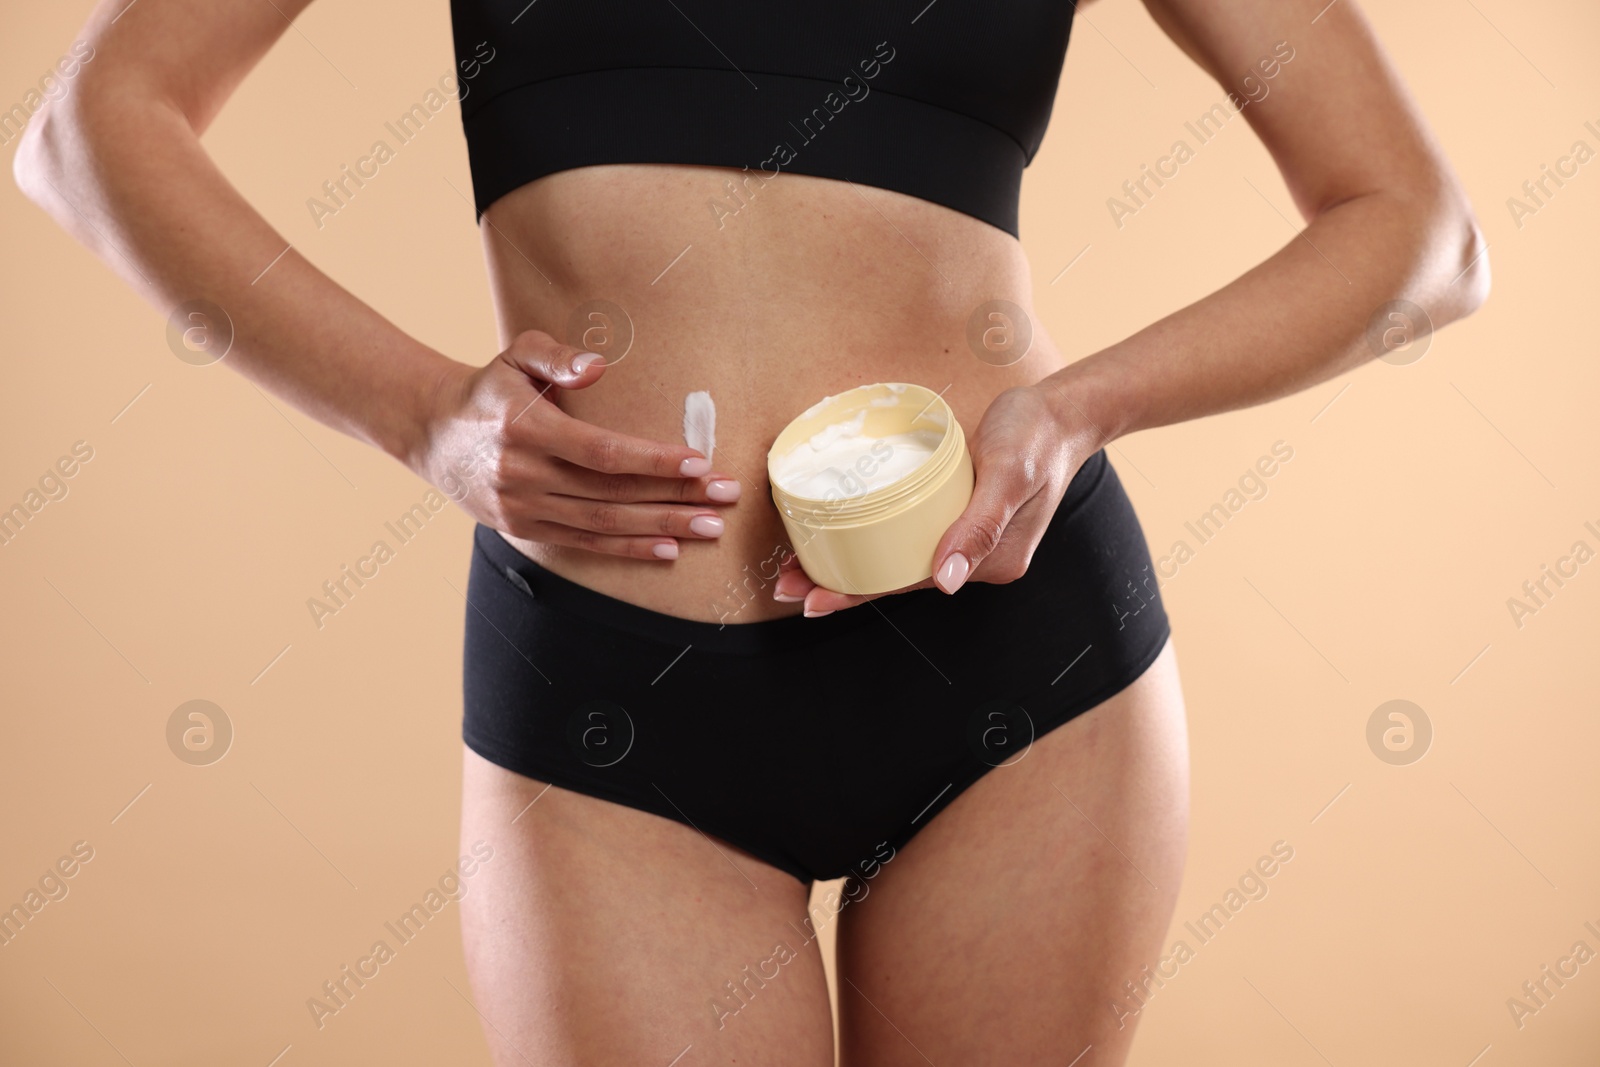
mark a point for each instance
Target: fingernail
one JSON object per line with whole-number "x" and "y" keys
{"x": 695, "y": 467}
{"x": 818, "y": 614}
{"x": 585, "y": 360}
{"x": 953, "y": 573}
{"x": 787, "y": 598}
{"x": 723, "y": 490}
{"x": 706, "y": 525}
{"x": 666, "y": 551}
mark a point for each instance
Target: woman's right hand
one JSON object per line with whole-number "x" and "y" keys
{"x": 499, "y": 446}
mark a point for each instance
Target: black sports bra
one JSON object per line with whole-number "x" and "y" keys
{"x": 944, "y": 100}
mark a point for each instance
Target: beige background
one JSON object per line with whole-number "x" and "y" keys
{"x": 1378, "y": 567}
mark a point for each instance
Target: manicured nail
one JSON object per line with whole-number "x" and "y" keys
{"x": 953, "y": 573}
{"x": 585, "y": 360}
{"x": 706, "y": 525}
{"x": 695, "y": 467}
{"x": 818, "y": 614}
{"x": 787, "y": 598}
{"x": 669, "y": 550}
{"x": 723, "y": 490}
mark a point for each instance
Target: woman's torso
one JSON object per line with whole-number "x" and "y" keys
{"x": 812, "y": 286}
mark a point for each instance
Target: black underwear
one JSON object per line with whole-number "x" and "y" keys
{"x": 811, "y": 743}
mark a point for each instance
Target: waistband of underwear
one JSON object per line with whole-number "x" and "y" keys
{"x": 783, "y": 634}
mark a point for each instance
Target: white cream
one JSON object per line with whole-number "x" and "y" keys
{"x": 840, "y": 462}
{"x": 700, "y": 423}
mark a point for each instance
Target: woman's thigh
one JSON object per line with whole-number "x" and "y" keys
{"x": 1004, "y": 931}
{"x": 598, "y": 935}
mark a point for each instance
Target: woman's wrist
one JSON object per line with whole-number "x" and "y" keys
{"x": 408, "y": 420}
{"x": 1092, "y": 399}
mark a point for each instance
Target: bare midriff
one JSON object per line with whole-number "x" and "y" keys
{"x": 770, "y": 300}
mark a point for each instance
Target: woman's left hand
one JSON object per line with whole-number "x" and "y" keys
{"x": 1024, "y": 454}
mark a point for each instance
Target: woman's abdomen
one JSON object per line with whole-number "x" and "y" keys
{"x": 809, "y": 287}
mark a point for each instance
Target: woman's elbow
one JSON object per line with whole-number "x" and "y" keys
{"x": 36, "y": 165}
{"x": 1457, "y": 256}
{"x": 1469, "y": 258}
{"x": 26, "y": 163}
{"x": 64, "y": 152}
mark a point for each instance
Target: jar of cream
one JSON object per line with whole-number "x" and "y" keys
{"x": 867, "y": 481}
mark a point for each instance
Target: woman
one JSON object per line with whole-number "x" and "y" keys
{"x": 671, "y": 731}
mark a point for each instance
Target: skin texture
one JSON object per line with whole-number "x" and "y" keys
{"x": 604, "y": 934}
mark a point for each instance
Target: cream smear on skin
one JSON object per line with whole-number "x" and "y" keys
{"x": 841, "y": 461}
{"x": 700, "y": 423}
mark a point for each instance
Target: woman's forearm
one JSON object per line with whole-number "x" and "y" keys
{"x": 1299, "y": 318}
{"x": 123, "y": 171}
